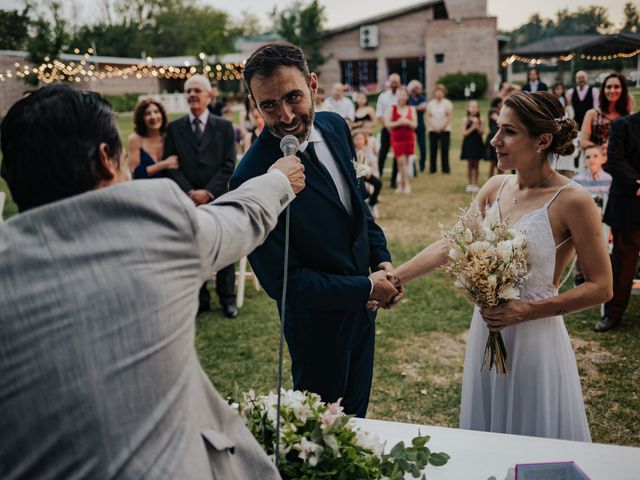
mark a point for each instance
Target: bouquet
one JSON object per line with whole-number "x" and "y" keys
{"x": 318, "y": 440}
{"x": 487, "y": 260}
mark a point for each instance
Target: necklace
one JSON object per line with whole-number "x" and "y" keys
{"x": 523, "y": 194}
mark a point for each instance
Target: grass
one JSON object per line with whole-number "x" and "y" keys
{"x": 421, "y": 343}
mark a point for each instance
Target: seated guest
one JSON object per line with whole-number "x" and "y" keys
{"x": 99, "y": 377}
{"x": 146, "y": 143}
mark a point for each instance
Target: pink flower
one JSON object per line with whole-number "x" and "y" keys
{"x": 335, "y": 408}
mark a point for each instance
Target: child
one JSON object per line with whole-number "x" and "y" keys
{"x": 361, "y": 143}
{"x": 597, "y": 183}
{"x": 472, "y": 144}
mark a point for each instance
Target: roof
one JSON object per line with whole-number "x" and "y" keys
{"x": 381, "y": 17}
{"x": 592, "y": 44}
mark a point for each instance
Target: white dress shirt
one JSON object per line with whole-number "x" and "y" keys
{"x": 343, "y": 107}
{"x": 204, "y": 118}
{"x": 324, "y": 156}
{"x": 385, "y": 100}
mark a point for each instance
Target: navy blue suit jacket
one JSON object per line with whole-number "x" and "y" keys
{"x": 331, "y": 252}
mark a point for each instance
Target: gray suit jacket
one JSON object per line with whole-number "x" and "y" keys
{"x": 99, "y": 377}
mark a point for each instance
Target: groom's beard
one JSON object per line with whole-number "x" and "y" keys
{"x": 304, "y": 120}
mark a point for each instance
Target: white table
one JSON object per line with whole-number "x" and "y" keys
{"x": 480, "y": 455}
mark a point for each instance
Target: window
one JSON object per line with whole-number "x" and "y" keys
{"x": 359, "y": 74}
{"x": 439, "y": 58}
{"x": 408, "y": 68}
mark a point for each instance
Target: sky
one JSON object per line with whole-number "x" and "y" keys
{"x": 510, "y": 13}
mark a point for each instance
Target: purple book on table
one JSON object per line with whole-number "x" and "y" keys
{"x": 550, "y": 471}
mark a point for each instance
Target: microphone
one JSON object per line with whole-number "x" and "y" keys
{"x": 289, "y": 145}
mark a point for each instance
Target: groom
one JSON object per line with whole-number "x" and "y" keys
{"x": 334, "y": 240}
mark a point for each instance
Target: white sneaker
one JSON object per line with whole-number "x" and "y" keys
{"x": 476, "y": 188}
{"x": 407, "y": 188}
{"x": 469, "y": 189}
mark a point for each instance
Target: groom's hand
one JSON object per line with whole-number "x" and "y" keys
{"x": 383, "y": 290}
{"x": 388, "y": 267}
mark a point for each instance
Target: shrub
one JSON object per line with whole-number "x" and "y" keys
{"x": 123, "y": 103}
{"x": 457, "y": 82}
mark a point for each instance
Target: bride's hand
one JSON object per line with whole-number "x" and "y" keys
{"x": 507, "y": 314}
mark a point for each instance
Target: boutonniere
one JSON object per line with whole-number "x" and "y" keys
{"x": 359, "y": 166}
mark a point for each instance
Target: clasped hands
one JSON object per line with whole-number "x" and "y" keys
{"x": 387, "y": 288}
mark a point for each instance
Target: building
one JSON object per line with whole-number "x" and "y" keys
{"x": 423, "y": 42}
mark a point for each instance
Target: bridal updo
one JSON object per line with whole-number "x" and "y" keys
{"x": 542, "y": 112}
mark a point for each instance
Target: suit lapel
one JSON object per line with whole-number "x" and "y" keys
{"x": 317, "y": 180}
{"x": 341, "y": 155}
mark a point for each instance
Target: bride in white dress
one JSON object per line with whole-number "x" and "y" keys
{"x": 540, "y": 395}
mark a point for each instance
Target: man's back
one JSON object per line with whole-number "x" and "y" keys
{"x": 99, "y": 378}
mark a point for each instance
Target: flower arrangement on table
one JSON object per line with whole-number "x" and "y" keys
{"x": 318, "y": 440}
{"x": 487, "y": 260}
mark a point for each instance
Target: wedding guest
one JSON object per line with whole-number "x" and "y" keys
{"x": 365, "y": 115}
{"x": 385, "y": 100}
{"x": 490, "y": 152}
{"x": 401, "y": 122}
{"x": 558, "y": 90}
{"x": 320, "y": 102}
{"x": 439, "y": 114}
{"x": 622, "y": 214}
{"x": 99, "y": 371}
{"x": 205, "y": 145}
{"x": 597, "y": 182}
{"x": 613, "y": 103}
{"x": 338, "y": 103}
{"x": 371, "y": 175}
{"x": 540, "y": 395}
{"x": 146, "y": 143}
{"x": 216, "y": 104}
{"x": 419, "y": 102}
{"x": 582, "y": 98}
{"x": 534, "y": 84}
{"x": 258, "y": 125}
{"x": 472, "y": 145}
{"x": 334, "y": 239}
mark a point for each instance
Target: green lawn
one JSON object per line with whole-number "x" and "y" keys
{"x": 421, "y": 343}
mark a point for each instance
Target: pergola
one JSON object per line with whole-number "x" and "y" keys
{"x": 562, "y": 49}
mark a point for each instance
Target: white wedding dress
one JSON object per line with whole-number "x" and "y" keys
{"x": 540, "y": 395}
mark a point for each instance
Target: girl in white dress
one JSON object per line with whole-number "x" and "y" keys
{"x": 540, "y": 395}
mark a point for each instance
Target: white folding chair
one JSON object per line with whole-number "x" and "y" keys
{"x": 242, "y": 275}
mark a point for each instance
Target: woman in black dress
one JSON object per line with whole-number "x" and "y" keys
{"x": 472, "y": 144}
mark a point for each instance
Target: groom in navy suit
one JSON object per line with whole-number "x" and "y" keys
{"x": 334, "y": 241}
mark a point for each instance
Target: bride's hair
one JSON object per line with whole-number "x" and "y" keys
{"x": 542, "y": 112}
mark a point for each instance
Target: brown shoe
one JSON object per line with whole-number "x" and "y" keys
{"x": 605, "y": 323}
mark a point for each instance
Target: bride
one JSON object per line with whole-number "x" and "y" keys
{"x": 540, "y": 395}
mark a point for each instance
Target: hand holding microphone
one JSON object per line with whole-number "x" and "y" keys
{"x": 290, "y": 165}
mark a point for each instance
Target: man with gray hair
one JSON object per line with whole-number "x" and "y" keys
{"x": 205, "y": 147}
{"x": 582, "y": 97}
{"x": 338, "y": 103}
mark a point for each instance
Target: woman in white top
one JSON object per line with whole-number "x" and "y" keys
{"x": 540, "y": 394}
{"x": 439, "y": 113}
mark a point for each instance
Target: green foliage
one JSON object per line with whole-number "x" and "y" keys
{"x": 14, "y": 29}
{"x": 303, "y": 25}
{"x": 631, "y": 18}
{"x": 123, "y": 103}
{"x": 50, "y": 39}
{"x": 457, "y": 82}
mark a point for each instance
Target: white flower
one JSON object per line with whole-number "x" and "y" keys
{"x": 519, "y": 239}
{"x": 468, "y": 236}
{"x": 479, "y": 247}
{"x": 507, "y": 293}
{"x": 453, "y": 253}
{"x": 492, "y": 280}
{"x": 309, "y": 451}
{"x": 505, "y": 249}
{"x": 369, "y": 441}
{"x": 361, "y": 170}
{"x": 488, "y": 233}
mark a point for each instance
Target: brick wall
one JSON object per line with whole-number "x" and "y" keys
{"x": 468, "y": 46}
{"x": 400, "y": 37}
{"x": 466, "y": 8}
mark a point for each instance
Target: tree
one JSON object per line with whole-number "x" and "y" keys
{"x": 631, "y": 18}
{"x": 49, "y": 40}
{"x": 303, "y": 25}
{"x": 14, "y": 29}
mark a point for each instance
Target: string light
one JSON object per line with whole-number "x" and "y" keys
{"x": 57, "y": 70}
{"x": 565, "y": 58}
